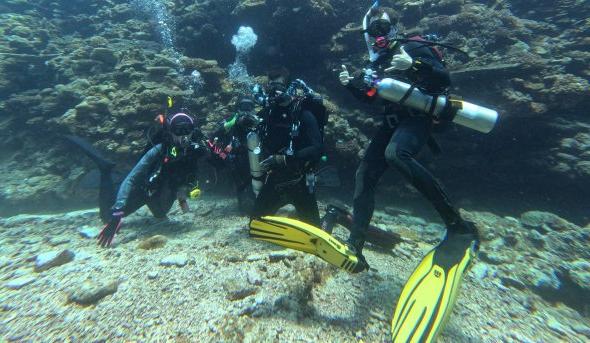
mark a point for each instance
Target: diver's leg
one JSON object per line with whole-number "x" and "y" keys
{"x": 368, "y": 173}
{"x": 243, "y": 184}
{"x": 268, "y": 202}
{"x": 161, "y": 202}
{"x": 246, "y": 199}
{"x": 107, "y": 192}
{"x": 137, "y": 198}
{"x": 407, "y": 141}
{"x": 306, "y": 204}
{"x": 101, "y": 162}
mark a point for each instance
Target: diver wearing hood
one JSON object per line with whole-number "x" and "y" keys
{"x": 163, "y": 174}
{"x": 290, "y": 148}
{"x": 404, "y": 131}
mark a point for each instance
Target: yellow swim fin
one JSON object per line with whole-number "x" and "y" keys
{"x": 427, "y": 299}
{"x": 295, "y": 234}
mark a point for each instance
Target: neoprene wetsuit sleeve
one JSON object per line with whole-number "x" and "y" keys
{"x": 137, "y": 176}
{"x": 312, "y": 137}
{"x": 428, "y": 70}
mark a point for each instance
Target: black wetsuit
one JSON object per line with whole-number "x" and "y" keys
{"x": 154, "y": 181}
{"x": 229, "y": 132}
{"x": 400, "y": 138}
{"x": 287, "y": 185}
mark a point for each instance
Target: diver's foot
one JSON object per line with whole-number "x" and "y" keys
{"x": 103, "y": 164}
{"x": 462, "y": 227}
{"x": 362, "y": 264}
{"x": 464, "y": 230}
{"x": 329, "y": 219}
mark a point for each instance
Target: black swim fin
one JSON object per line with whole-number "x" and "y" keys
{"x": 374, "y": 235}
{"x": 102, "y": 163}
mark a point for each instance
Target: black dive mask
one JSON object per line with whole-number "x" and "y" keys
{"x": 279, "y": 99}
{"x": 379, "y": 28}
{"x": 245, "y": 106}
{"x": 277, "y": 94}
{"x": 181, "y": 128}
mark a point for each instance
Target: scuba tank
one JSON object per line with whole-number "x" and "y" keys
{"x": 461, "y": 112}
{"x": 253, "y": 141}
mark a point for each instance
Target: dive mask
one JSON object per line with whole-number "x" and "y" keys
{"x": 277, "y": 94}
{"x": 379, "y": 28}
{"x": 181, "y": 127}
{"x": 245, "y": 106}
{"x": 280, "y": 98}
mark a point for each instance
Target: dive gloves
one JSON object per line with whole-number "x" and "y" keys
{"x": 106, "y": 236}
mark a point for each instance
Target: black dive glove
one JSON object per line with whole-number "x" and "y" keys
{"x": 106, "y": 236}
{"x": 273, "y": 162}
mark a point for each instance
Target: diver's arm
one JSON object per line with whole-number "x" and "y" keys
{"x": 361, "y": 92}
{"x": 137, "y": 176}
{"x": 225, "y": 126}
{"x": 427, "y": 70}
{"x": 311, "y": 130}
{"x": 362, "y": 84}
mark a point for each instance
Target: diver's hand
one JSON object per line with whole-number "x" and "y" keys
{"x": 272, "y": 162}
{"x": 369, "y": 77}
{"x": 216, "y": 149}
{"x": 106, "y": 236}
{"x": 344, "y": 76}
{"x": 401, "y": 61}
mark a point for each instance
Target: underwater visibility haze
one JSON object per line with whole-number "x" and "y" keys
{"x": 294, "y": 171}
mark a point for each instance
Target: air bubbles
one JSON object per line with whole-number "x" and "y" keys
{"x": 244, "y": 41}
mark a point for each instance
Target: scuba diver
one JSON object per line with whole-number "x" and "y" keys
{"x": 416, "y": 100}
{"x": 290, "y": 141}
{"x": 229, "y": 149}
{"x": 166, "y": 172}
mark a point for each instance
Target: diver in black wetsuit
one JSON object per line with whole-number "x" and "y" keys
{"x": 404, "y": 131}
{"x": 230, "y": 150}
{"x": 291, "y": 144}
{"x": 162, "y": 175}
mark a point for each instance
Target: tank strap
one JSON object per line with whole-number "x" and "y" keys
{"x": 450, "y": 110}
{"x": 407, "y": 94}
{"x": 432, "y": 105}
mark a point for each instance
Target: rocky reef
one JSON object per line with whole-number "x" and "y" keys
{"x": 103, "y": 71}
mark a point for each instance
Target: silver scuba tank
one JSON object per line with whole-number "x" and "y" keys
{"x": 463, "y": 113}
{"x": 254, "y": 158}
